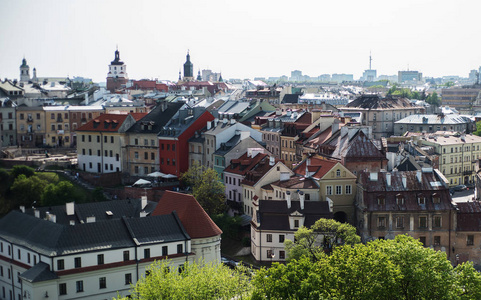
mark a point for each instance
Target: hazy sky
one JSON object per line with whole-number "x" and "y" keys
{"x": 242, "y": 39}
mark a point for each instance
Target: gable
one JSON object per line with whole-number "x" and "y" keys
{"x": 344, "y": 173}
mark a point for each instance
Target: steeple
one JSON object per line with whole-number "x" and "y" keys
{"x": 188, "y": 68}
{"x": 24, "y": 71}
{"x": 199, "y": 77}
{"x": 117, "y": 76}
{"x": 220, "y": 78}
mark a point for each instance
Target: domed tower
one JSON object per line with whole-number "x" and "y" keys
{"x": 24, "y": 71}
{"x": 117, "y": 76}
{"x": 188, "y": 69}
{"x": 199, "y": 77}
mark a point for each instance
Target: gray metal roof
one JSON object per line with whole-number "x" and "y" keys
{"x": 434, "y": 119}
{"x": 39, "y": 272}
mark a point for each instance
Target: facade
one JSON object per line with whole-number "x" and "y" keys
{"x": 117, "y": 76}
{"x": 468, "y": 233}
{"x": 278, "y": 221}
{"x": 174, "y": 139}
{"x": 337, "y": 185}
{"x": 410, "y": 77}
{"x": 86, "y": 251}
{"x": 142, "y": 148}
{"x": 381, "y": 113}
{"x": 417, "y": 203}
{"x": 57, "y": 125}
{"x": 433, "y": 123}
{"x": 79, "y": 116}
{"x": 31, "y": 126}
{"x": 101, "y": 143}
{"x": 461, "y": 99}
{"x": 458, "y": 155}
{"x": 8, "y": 124}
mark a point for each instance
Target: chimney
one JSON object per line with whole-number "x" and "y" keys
{"x": 86, "y": 98}
{"x": 224, "y": 120}
{"x": 419, "y": 175}
{"x": 144, "y": 201}
{"x": 208, "y": 125}
{"x": 272, "y": 161}
{"x": 288, "y": 199}
{"x": 302, "y": 198}
{"x": 143, "y": 214}
{"x": 284, "y": 176}
{"x": 216, "y": 121}
{"x": 373, "y": 176}
{"x": 36, "y": 212}
{"x": 404, "y": 179}
{"x": 335, "y": 126}
{"x": 51, "y": 217}
{"x": 388, "y": 179}
{"x": 22, "y": 208}
{"x": 91, "y": 219}
{"x": 70, "y": 208}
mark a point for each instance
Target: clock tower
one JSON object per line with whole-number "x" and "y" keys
{"x": 117, "y": 76}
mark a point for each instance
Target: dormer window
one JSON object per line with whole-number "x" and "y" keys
{"x": 421, "y": 200}
{"x": 436, "y": 198}
{"x": 381, "y": 200}
{"x": 399, "y": 199}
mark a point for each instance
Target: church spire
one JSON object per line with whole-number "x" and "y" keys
{"x": 199, "y": 77}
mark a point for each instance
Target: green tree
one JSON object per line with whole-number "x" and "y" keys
{"x": 322, "y": 237}
{"x": 98, "y": 195}
{"x": 22, "y": 169}
{"x": 383, "y": 269}
{"x": 206, "y": 188}
{"x": 478, "y": 129}
{"x": 59, "y": 193}
{"x": 433, "y": 99}
{"x": 27, "y": 190}
{"x": 196, "y": 281}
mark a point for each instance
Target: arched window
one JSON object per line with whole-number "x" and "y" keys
{"x": 338, "y": 173}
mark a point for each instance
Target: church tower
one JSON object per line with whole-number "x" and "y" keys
{"x": 188, "y": 69}
{"x": 24, "y": 71}
{"x": 117, "y": 76}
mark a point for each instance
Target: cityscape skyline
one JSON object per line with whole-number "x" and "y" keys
{"x": 79, "y": 38}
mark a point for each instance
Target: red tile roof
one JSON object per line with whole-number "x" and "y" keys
{"x": 108, "y": 122}
{"x": 194, "y": 218}
{"x": 244, "y": 163}
{"x": 319, "y": 165}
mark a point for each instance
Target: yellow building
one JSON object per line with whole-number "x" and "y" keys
{"x": 57, "y": 126}
{"x": 31, "y": 129}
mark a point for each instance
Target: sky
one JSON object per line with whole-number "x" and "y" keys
{"x": 240, "y": 39}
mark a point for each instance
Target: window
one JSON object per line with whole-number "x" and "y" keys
{"x": 112, "y": 139}
{"x": 381, "y": 200}
{"x": 421, "y": 200}
{"x": 296, "y": 223}
{"x": 348, "y": 189}
{"x": 381, "y": 222}
{"x": 269, "y": 238}
{"x": 437, "y": 240}
{"x": 470, "y": 240}
{"x": 399, "y": 199}
{"x": 329, "y": 190}
{"x": 162, "y": 146}
{"x": 128, "y": 278}
{"x": 152, "y": 156}
{"x": 400, "y": 222}
{"x": 307, "y": 196}
{"x": 100, "y": 259}
{"x": 28, "y": 257}
{"x": 164, "y": 251}
{"x": 152, "y": 142}
{"x": 98, "y": 138}
{"x": 147, "y": 253}
{"x": 146, "y": 155}
{"x": 105, "y": 139}
{"x": 126, "y": 255}
{"x": 52, "y": 116}
{"x": 80, "y": 286}
{"x": 338, "y": 189}
{"x": 168, "y": 147}
{"x": 62, "y": 289}
{"x": 338, "y": 173}
{"x": 437, "y": 221}
{"x": 281, "y": 238}
{"x": 78, "y": 262}
{"x": 136, "y": 154}
{"x": 60, "y": 264}
{"x": 90, "y": 138}
{"x": 19, "y": 254}
{"x": 173, "y": 147}
{"x": 423, "y": 222}
{"x": 102, "y": 282}
{"x": 111, "y": 153}
{"x": 436, "y": 199}
{"x": 146, "y": 142}
{"x": 282, "y": 254}
{"x": 180, "y": 249}
{"x": 90, "y": 151}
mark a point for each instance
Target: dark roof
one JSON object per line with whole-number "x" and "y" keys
{"x": 156, "y": 118}
{"x": 354, "y": 147}
{"x": 296, "y": 183}
{"x": 181, "y": 121}
{"x": 290, "y": 98}
{"x": 54, "y": 239}
{"x": 429, "y": 188}
{"x": 244, "y": 163}
{"x": 194, "y": 218}
{"x": 469, "y": 216}
{"x": 39, "y": 272}
{"x": 274, "y": 215}
{"x": 376, "y": 102}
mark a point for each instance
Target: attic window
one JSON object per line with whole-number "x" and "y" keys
{"x": 421, "y": 199}
{"x": 399, "y": 199}
{"x": 109, "y": 213}
{"x": 338, "y": 173}
{"x": 436, "y": 198}
{"x": 381, "y": 200}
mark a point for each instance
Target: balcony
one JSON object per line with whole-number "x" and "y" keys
{"x": 30, "y": 120}
{"x": 467, "y": 173}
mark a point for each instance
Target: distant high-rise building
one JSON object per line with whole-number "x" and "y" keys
{"x": 342, "y": 77}
{"x": 370, "y": 74}
{"x": 117, "y": 76}
{"x": 410, "y": 76}
{"x": 24, "y": 71}
{"x": 296, "y": 75}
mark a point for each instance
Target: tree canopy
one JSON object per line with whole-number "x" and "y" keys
{"x": 59, "y": 193}
{"x": 28, "y": 190}
{"x": 322, "y": 237}
{"x": 383, "y": 269}
{"x": 195, "y": 281}
{"x": 206, "y": 188}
